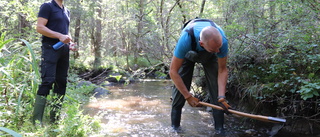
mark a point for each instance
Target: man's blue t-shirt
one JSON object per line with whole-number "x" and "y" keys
{"x": 184, "y": 42}
{"x": 58, "y": 19}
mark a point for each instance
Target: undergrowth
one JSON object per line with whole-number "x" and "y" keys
{"x": 19, "y": 80}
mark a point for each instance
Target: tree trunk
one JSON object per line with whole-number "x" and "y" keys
{"x": 77, "y": 30}
{"x": 183, "y": 13}
{"x": 97, "y": 41}
{"x": 138, "y": 43}
{"x": 202, "y": 8}
{"x": 23, "y": 23}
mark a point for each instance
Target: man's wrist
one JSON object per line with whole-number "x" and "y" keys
{"x": 189, "y": 96}
{"x": 221, "y": 97}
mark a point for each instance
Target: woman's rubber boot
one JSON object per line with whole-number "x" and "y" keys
{"x": 56, "y": 108}
{"x": 39, "y": 106}
{"x": 218, "y": 116}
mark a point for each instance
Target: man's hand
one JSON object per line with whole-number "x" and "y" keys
{"x": 73, "y": 46}
{"x": 192, "y": 101}
{"x": 224, "y": 104}
{"x": 65, "y": 38}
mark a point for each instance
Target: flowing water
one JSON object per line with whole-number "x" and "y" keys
{"x": 143, "y": 109}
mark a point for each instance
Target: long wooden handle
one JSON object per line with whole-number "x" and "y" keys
{"x": 257, "y": 117}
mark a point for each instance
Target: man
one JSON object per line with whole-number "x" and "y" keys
{"x": 53, "y": 23}
{"x": 204, "y": 42}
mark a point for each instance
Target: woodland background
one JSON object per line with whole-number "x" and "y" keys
{"x": 274, "y": 58}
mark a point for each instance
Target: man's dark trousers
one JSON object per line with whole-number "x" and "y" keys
{"x": 54, "y": 70}
{"x": 211, "y": 74}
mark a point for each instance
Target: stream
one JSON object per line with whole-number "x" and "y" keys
{"x": 143, "y": 109}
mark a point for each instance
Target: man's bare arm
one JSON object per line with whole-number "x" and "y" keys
{"x": 42, "y": 29}
{"x": 175, "y": 65}
{"x": 222, "y": 76}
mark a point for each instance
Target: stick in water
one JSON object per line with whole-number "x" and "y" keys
{"x": 257, "y": 117}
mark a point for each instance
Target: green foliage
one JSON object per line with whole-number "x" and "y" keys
{"x": 117, "y": 77}
{"x": 19, "y": 79}
{"x": 79, "y": 92}
{"x": 309, "y": 90}
{"x": 279, "y": 74}
{"x": 160, "y": 74}
{"x": 10, "y": 132}
{"x": 76, "y": 124}
{"x": 140, "y": 61}
{"x": 271, "y": 57}
{"x": 3, "y": 41}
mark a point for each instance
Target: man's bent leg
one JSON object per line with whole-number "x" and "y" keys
{"x": 218, "y": 116}
{"x": 211, "y": 74}
{"x": 178, "y": 101}
{"x": 177, "y": 104}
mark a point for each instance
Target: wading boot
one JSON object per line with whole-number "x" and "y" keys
{"x": 218, "y": 116}
{"x": 175, "y": 121}
{"x": 39, "y": 106}
{"x": 56, "y": 108}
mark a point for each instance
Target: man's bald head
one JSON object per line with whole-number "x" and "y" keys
{"x": 210, "y": 39}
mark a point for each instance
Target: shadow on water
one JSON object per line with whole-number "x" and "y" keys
{"x": 143, "y": 109}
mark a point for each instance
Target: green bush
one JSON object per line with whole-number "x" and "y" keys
{"x": 19, "y": 80}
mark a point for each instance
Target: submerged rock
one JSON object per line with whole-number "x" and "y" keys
{"x": 97, "y": 91}
{"x": 100, "y": 92}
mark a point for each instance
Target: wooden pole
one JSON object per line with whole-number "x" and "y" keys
{"x": 257, "y": 117}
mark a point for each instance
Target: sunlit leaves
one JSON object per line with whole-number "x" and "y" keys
{"x": 309, "y": 90}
